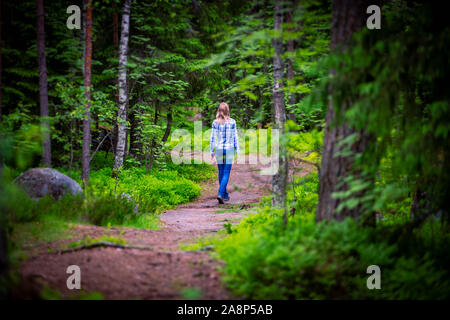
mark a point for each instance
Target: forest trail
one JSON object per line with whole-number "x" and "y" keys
{"x": 165, "y": 271}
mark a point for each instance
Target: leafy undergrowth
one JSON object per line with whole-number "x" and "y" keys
{"x": 31, "y": 223}
{"x": 27, "y": 236}
{"x": 309, "y": 260}
{"x": 153, "y": 192}
{"x": 207, "y": 243}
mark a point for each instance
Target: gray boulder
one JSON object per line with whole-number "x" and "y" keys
{"x": 38, "y": 182}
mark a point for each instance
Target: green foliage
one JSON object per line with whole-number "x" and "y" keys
{"x": 102, "y": 160}
{"x": 149, "y": 138}
{"x": 195, "y": 172}
{"x": 306, "y": 146}
{"x": 152, "y": 192}
{"x": 192, "y": 293}
{"x": 47, "y": 229}
{"x": 307, "y": 260}
{"x": 66, "y": 133}
{"x": 107, "y": 209}
{"x": 390, "y": 86}
{"x": 185, "y": 57}
{"x": 20, "y": 139}
{"x": 246, "y": 52}
{"x": 96, "y": 209}
{"x": 48, "y": 293}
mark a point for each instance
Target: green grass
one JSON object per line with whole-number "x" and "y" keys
{"x": 202, "y": 242}
{"x": 192, "y": 293}
{"x": 154, "y": 192}
{"x": 88, "y": 240}
{"x": 53, "y": 294}
{"x": 235, "y": 207}
{"x": 26, "y": 236}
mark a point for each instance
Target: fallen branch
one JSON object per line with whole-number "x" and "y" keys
{"x": 102, "y": 244}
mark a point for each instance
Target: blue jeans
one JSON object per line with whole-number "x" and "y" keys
{"x": 224, "y": 159}
{"x": 224, "y": 175}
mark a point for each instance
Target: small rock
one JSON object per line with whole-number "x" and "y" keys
{"x": 124, "y": 195}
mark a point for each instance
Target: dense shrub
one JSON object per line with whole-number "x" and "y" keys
{"x": 108, "y": 209}
{"x": 309, "y": 260}
{"x": 102, "y": 204}
{"x": 194, "y": 172}
{"x": 102, "y": 159}
{"x": 98, "y": 210}
{"x": 153, "y": 192}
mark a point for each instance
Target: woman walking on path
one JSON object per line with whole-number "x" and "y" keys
{"x": 224, "y": 141}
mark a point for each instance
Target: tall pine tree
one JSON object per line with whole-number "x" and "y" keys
{"x": 123, "y": 97}
{"x": 87, "y": 86}
{"x": 347, "y": 17}
{"x": 43, "y": 85}
{"x": 279, "y": 180}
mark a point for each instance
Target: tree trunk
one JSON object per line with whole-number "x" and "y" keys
{"x": 115, "y": 26}
{"x": 115, "y": 19}
{"x": 87, "y": 86}
{"x": 122, "y": 110}
{"x": 347, "y": 17}
{"x": 71, "y": 143}
{"x": 43, "y": 85}
{"x": 1, "y": 67}
{"x": 83, "y": 34}
{"x": 279, "y": 180}
{"x": 169, "y": 126}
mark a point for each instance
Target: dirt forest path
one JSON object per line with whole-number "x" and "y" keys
{"x": 164, "y": 271}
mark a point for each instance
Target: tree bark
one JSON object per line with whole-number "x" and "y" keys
{"x": 115, "y": 19}
{"x": 279, "y": 180}
{"x": 122, "y": 110}
{"x": 1, "y": 66}
{"x": 169, "y": 126}
{"x": 87, "y": 86}
{"x": 43, "y": 85}
{"x": 347, "y": 18}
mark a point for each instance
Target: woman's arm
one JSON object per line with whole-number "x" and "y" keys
{"x": 212, "y": 141}
{"x": 236, "y": 138}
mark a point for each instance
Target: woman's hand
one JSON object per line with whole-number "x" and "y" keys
{"x": 212, "y": 157}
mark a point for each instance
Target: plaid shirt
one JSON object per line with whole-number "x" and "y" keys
{"x": 224, "y": 136}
